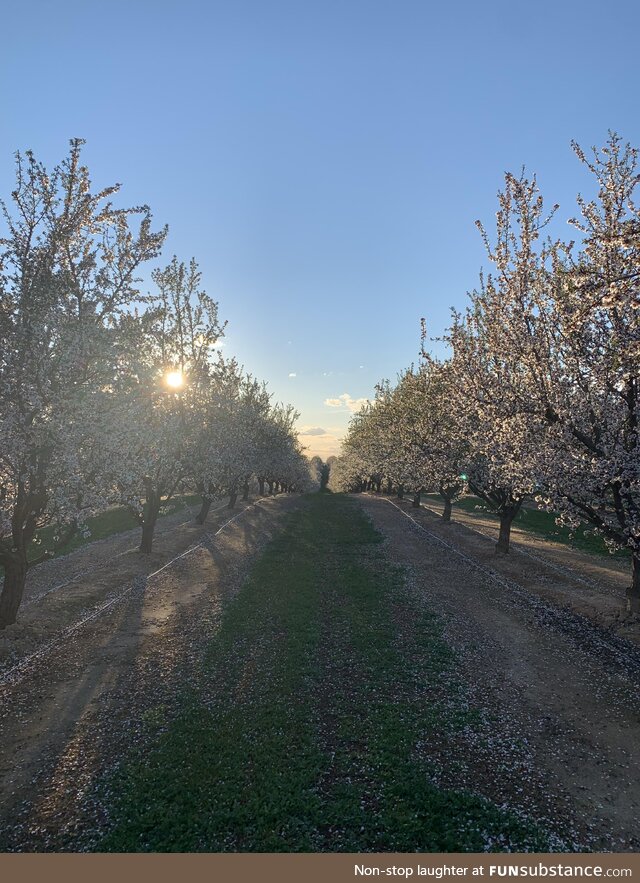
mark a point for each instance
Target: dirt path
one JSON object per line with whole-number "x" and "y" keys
{"x": 560, "y": 698}
{"x": 57, "y": 573}
{"x": 62, "y": 591}
{"x": 552, "y": 699}
{"x": 598, "y": 583}
{"x": 76, "y": 703}
{"x": 590, "y": 585}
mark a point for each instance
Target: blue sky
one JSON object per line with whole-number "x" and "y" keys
{"x": 323, "y": 161}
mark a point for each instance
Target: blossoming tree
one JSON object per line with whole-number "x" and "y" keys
{"x": 68, "y": 269}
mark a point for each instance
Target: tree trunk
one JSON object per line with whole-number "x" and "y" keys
{"x": 150, "y": 516}
{"x": 633, "y": 592}
{"x": 270, "y": 483}
{"x": 401, "y": 492}
{"x": 245, "y": 495}
{"x": 15, "y": 575}
{"x": 389, "y": 486}
{"x": 416, "y": 500}
{"x": 261, "y": 486}
{"x": 148, "y": 528}
{"x": 233, "y": 496}
{"x": 201, "y": 517}
{"x": 446, "y": 514}
{"x": 506, "y": 518}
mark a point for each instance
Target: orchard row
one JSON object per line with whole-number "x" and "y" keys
{"x": 539, "y": 397}
{"x": 108, "y": 395}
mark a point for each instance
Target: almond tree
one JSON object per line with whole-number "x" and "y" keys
{"x": 68, "y": 266}
{"x": 585, "y": 361}
{"x": 370, "y": 451}
{"x": 387, "y": 427}
{"x": 346, "y": 473}
{"x": 502, "y": 443}
{"x": 493, "y": 400}
{"x": 409, "y": 435}
{"x": 236, "y": 447}
{"x": 161, "y": 393}
{"x": 434, "y": 436}
{"x": 231, "y": 437}
{"x": 385, "y": 423}
{"x": 320, "y": 472}
{"x": 316, "y": 467}
{"x": 242, "y": 435}
{"x": 217, "y": 462}
{"x": 364, "y": 446}
{"x": 574, "y": 321}
{"x": 278, "y": 455}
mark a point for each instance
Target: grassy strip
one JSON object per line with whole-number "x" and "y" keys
{"x": 543, "y": 524}
{"x": 113, "y": 521}
{"x": 304, "y": 729}
{"x": 106, "y": 524}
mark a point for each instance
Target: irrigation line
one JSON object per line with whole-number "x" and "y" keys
{"x": 587, "y": 635}
{"x": 95, "y": 567}
{"x": 14, "y": 674}
{"x": 472, "y": 561}
{"x": 207, "y": 537}
{"x": 540, "y": 558}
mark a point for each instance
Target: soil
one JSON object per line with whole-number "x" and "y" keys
{"x": 559, "y": 696}
{"x": 590, "y": 584}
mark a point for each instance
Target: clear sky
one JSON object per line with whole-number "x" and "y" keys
{"x": 323, "y": 161}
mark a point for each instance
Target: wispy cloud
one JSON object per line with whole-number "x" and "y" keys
{"x": 293, "y": 374}
{"x": 312, "y": 430}
{"x": 346, "y": 401}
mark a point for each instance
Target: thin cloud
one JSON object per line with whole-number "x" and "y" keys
{"x": 346, "y": 401}
{"x": 293, "y": 374}
{"x": 313, "y": 430}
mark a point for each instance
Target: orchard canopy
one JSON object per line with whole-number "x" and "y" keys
{"x": 538, "y": 397}
{"x": 111, "y": 394}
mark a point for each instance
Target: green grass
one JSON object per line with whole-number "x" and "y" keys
{"x": 301, "y": 731}
{"x": 542, "y": 523}
{"x": 116, "y": 520}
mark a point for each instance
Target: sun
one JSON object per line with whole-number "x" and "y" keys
{"x": 174, "y": 379}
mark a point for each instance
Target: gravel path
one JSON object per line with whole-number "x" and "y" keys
{"x": 74, "y": 710}
{"x": 559, "y": 697}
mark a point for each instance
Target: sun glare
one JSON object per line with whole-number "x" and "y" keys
{"x": 174, "y": 379}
